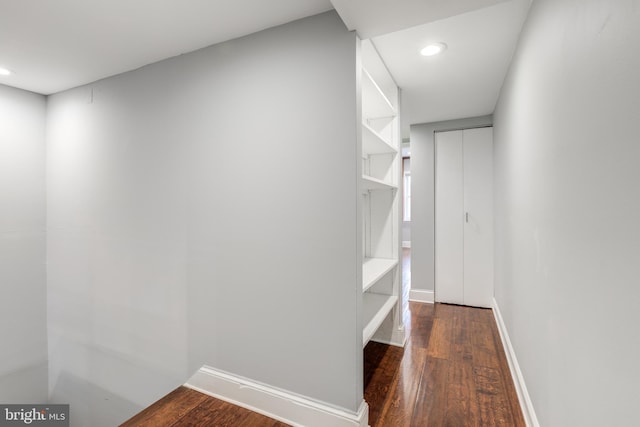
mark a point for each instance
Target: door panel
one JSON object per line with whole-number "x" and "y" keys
{"x": 449, "y": 211}
{"x": 478, "y": 205}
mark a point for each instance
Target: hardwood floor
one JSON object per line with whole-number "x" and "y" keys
{"x": 185, "y": 407}
{"x": 452, "y": 372}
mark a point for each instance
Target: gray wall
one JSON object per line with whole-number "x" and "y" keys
{"x": 423, "y": 196}
{"x": 23, "y": 359}
{"x": 150, "y": 176}
{"x": 567, "y": 207}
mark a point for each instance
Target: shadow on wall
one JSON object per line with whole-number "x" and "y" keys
{"x": 103, "y": 401}
{"x": 28, "y": 385}
{"x": 90, "y": 404}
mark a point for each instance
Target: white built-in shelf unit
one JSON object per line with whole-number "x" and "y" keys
{"x": 380, "y": 202}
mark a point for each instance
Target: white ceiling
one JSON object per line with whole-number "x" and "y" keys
{"x": 53, "y": 45}
{"x": 465, "y": 80}
{"x": 372, "y": 18}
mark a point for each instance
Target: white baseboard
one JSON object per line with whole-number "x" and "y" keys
{"x": 275, "y": 403}
{"x": 518, "y": 380}
{"x": 406, "y": 243}
{"x": 420, "y": 295}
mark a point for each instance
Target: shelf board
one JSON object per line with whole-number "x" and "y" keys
{"x": 375, "y": 104}
{"x": 371, "y": 183}
{"x": 374, "y": 143}
{"x": 375, "y": 308}
{"x": 373, "y": 269}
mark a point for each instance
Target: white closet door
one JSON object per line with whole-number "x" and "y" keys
{"x": 478, "y": 225}
{"x": 464, "y": 217}
{"x": 449, "y": 216}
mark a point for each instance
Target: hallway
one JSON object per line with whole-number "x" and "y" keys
{"x": 452, "y": 372}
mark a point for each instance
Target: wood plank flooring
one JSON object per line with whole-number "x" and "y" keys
{"x": 452, "y": 372}
{"x": 185, "y": 407}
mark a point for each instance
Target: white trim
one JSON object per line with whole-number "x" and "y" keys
{"x": 528, "y": 411}
{"x": 420, "y": 295}
{"x": 406, "y": 244}
{"x": 398, "y": 337}
{"x": 283, "y": 406}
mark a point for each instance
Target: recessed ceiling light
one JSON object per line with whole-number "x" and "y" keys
{"x": 4, "y": 71}
{"x": 433, "y": 49}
